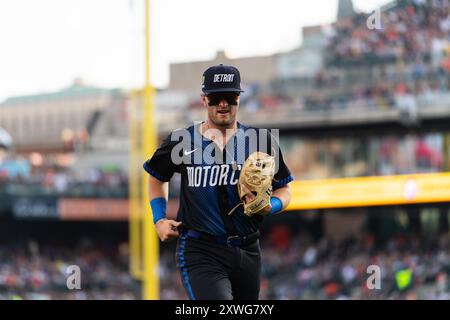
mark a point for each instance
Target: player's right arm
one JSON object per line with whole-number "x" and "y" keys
{"x": 158, "y": 192}
{"x": 161, "y": 168}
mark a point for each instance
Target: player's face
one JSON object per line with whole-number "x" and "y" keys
{"x": 222, "y": 107}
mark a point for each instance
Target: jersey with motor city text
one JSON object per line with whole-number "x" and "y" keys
{"x": 199, "y": 204}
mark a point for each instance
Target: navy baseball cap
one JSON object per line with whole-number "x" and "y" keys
{"x": 221, "y": 78}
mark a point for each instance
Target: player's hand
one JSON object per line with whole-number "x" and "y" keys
{"x": 167, "y": 230}
{"x": 249, "y": 196}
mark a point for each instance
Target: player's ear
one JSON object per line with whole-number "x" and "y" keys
{"x": 204, "y": 102}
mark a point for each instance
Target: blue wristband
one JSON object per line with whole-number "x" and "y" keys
{"x": 159, "y": 207}
{"x": 277, "y": 205}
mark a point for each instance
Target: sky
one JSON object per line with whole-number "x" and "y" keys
{"x": 46, "y": 44}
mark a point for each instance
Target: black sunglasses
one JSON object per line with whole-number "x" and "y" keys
{"x": 230, "y": 97}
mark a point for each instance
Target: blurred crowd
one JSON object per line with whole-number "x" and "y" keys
{"x": 410, "y": 268}
{"x": 410, "y": 31}
{"x": 294, "y": 267}
{"x": 94, "y": 181}
{"x": 20, "y": 177}
{"x": 407, "y": 95}
{"x": 40, "y": 271}
{"x": 358, "y": 156}
{"x": 411, "y": 52}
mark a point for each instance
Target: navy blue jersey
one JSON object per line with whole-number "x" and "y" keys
{"x": 206, "y": 172}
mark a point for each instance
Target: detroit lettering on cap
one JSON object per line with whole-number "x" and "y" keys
{"x": 223, "y": 77}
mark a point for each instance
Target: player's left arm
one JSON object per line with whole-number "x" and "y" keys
{"x": 278, "y": 201}
{"x": 281, "y": 195}
{"x": 284, "y": 194}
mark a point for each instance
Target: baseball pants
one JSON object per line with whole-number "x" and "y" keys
{"x": 213, "y": 271}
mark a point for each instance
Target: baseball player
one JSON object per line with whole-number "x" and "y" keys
{"x": 218, "y": 251}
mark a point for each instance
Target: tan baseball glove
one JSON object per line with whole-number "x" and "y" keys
{"x": 256, "y": 177}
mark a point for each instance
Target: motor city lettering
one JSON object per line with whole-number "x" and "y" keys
{"x": 216, "y": 175}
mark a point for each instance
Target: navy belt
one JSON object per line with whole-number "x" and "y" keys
{"x": 230, "y": 241}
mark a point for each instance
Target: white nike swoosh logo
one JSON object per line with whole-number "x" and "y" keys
{"x": 186, "y": 153}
